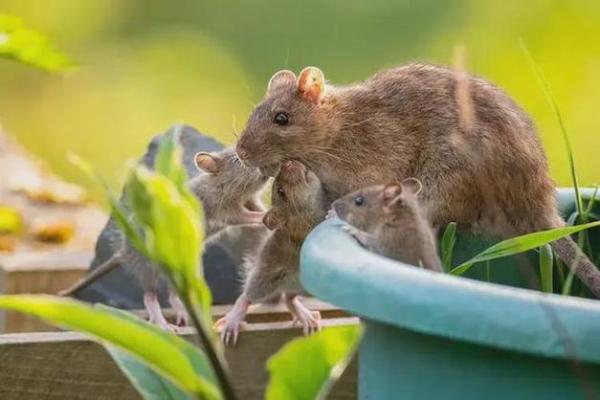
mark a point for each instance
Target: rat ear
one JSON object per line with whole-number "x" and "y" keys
{"x": 207, "y": 162}
{"x": 311, "y": 84}
{"x": 272, "y": 219}
{"x": 283, "y": 77}
{"x": 413, "y": 185}
{"x": 391, "y": 194}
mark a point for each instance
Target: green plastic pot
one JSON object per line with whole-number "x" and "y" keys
{"x": 435, "y": 336}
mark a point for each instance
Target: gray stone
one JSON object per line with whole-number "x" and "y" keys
{"x": 119, "y": 288}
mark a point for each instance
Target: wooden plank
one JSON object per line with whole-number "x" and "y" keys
{"x": 38, "y": 272}
{"x": 67, "y": 365}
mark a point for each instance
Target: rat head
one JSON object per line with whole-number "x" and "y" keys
{"x": 289, "y": 121}
{"x": 371, "y": 207}
{"x": 298, "y": 201}
{"x": 228, "y": 177}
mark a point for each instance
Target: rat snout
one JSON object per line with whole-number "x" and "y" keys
{"x": 340, "y": 209}
{"x": 241, "y": 152}
{"x": 292, "y": 170}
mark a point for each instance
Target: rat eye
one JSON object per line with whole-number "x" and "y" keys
{"x": 281, "y": 193}
{"x": 359, "y": 201}
{"x": 281, "y": 118}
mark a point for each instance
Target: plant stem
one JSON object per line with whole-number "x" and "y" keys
{"x": 214, "y": 357}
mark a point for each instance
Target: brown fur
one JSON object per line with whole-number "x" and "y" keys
{"x": 298, "y": 205}
{"x": 404, "y": 122}
{"x": 389, "y": 221}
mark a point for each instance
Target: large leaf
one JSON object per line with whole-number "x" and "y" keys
{"x": 149, "y": 384}
{"x": 166, "y": 353}
{"x": 306, "y": 368}
{"x": 521, "y": 244}
{"x": 28, "y": 46}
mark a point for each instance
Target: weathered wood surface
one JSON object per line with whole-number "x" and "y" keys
{"x": 67, "y": 365}
{"x": 38, "y": 272}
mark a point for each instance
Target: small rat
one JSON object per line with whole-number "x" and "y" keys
{"x": 298, "y": 205}
{"x": 490, "y": 176}
{"x": 230, "y": 194}
{"x": 388, "y": 220}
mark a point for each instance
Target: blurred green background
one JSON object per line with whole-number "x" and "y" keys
{"x": 146, "y": 64}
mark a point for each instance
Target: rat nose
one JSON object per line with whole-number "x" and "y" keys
{"x": 242, "y": 153}
{"x": 339, "y": 209}
{"x": 287, "y": 165}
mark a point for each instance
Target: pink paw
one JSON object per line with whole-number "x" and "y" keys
{"x": 229, "y": 328}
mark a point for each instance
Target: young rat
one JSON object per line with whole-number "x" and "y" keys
{"x": 490, "y": 176}
{"x": 298, "y": 205}
{"x": 388, "y": 220}
{"x": 230, "y": 194}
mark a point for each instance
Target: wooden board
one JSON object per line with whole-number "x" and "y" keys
{"x": 38, "y": 272}
{"x": 68, "y": 366}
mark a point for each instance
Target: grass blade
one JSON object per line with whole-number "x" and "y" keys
{"x": 521, "y": 244}
{"x": 546, "y": 268}
{"x": 554, "y": 106}
{"x": 448, "y": 242}
{"x": 166, "y": 353}
{"x": 320, "y": 360}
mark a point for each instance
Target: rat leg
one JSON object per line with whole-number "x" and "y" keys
{"x": 361, "y": 237}
{"x": 181, "y": 316}
{"x": 309, "y": 320}
{"x": 155, "y": 314}
{"x": 230, "y": 325}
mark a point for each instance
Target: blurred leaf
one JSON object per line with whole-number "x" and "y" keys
{"x": 546, "y": 268}
{"x": 10, "y": 220}
{"x": 118, "y": 213}
{"x": 28, "y": 46}
{"x": 148, "y": 383}
{"x": 448, "y": 242}
{"x": 521, "y": 244}
{"x": 306, "y": 368}
{"x": 165, "y": 352}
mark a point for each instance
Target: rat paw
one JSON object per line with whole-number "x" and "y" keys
{"x": 310, "y": 321}
{"x": 229, "y": 328}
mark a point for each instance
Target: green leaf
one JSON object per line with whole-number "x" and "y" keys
{"x": 306, "y": 368}
{"x": 521, "y": 244}
{"x": 28, "y": 46}
{"x": 149, "y": 384}
{"x": 448, "y": 242}
{"x": 164, "y": 352}
{"x": 546, "y": 268}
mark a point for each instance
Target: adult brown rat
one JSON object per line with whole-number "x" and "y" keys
{"x": 490, "y": 177}
{"x": 230, "y": 194}
{"x": 388, "y": 220}
{"x": 298, "y": 205}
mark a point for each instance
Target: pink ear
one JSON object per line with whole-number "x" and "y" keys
{"x": 207, "y": 162}
{"x": 391, "y": 193}
{"x": 311, "y": 84}
{"x": 280, "y": 78}
{"x": 271, "y": 219}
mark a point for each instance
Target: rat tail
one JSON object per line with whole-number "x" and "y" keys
{"x": 93, "y": 276}
{"x": 568, "y": 251}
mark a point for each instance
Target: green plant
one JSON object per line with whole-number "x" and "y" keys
{"x": 447, "y": 245}
{"x": 521, "y": 244}
{"x": 28, "y": 46}
{"x": 582, "y": 215}
{"x": 167, "y": 227}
